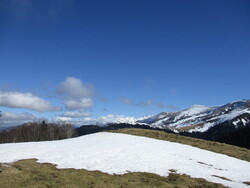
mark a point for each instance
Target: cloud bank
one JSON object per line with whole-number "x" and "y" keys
{"x": 101, "y": 120}
{"x": 12, "y": 119}
{"x": 75, "y": 114}
{"x": 27, "y": 101}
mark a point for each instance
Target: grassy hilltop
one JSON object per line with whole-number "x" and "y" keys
{"x": 30, "y": 174}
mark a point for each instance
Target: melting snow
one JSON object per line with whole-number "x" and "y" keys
{"x": 195, "y": 109}
{"x": 244, "y": 121}
{"x": 203, "y": 128}
{"x": 236, "y": 122}
{"x": 232, "y": 115}
{"x": 115, "y": 153}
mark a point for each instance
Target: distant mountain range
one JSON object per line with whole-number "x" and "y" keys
{"x": 201, "y": 118}
{"x": 229, "y": 123}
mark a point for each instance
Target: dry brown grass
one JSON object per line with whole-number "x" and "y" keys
{"x": 30, "y": 174}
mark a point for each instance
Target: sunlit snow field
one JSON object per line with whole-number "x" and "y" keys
{"x": 116, "y": 153}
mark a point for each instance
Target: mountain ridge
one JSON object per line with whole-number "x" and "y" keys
{"x": 229, "y": 123}
{"x": 199, "y": 118}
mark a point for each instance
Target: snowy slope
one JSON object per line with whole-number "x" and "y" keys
{"x": 200, "y": 118}
{"x": 129, "y": 120}
{"x": 115, "y": 153}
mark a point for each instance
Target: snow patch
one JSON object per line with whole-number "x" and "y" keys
{"x": 244, "y": 121}
{"x": 235, "y": 123}
{"x": 195, "y": 109}
{"x": 232, "y": 115}
{"x": 116, "y": 153}
{"x": 204, "y": 128}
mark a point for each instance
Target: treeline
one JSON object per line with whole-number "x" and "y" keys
{"x": 37, "y": 131}
{"x": 44, "y": 131}
{"x": 239, "y": 137}
{"x": 89, "y": 129}
{"x": 226, "y": 133}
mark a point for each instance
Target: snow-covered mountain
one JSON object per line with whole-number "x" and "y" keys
{"x": 200, "y": 118}
{"x": 229, "y": 123}
{"x": 116, "y": 153}
{"x": 130, "y": 120}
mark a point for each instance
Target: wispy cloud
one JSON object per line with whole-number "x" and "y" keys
{"x": 148, "y": 103}
{"x": 127, "y": 101}
{"x": 167, "y": 106}
{"x": 26, "y": 101}
{"x": 76, "y": 114}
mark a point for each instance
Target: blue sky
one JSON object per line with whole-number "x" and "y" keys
{"x": 131, "y": 58}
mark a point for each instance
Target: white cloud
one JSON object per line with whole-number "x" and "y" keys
{"x": 12, "y": 119}
{"x": 108, "y": 118}
{"x": 64, "y": 119}
{"x": 25, "y": 100}
{"x": 75, "y": 94}
{"x": 76, "y": 114}
{"x": 75, "y": 88}
{"x": 73, "y": 104}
